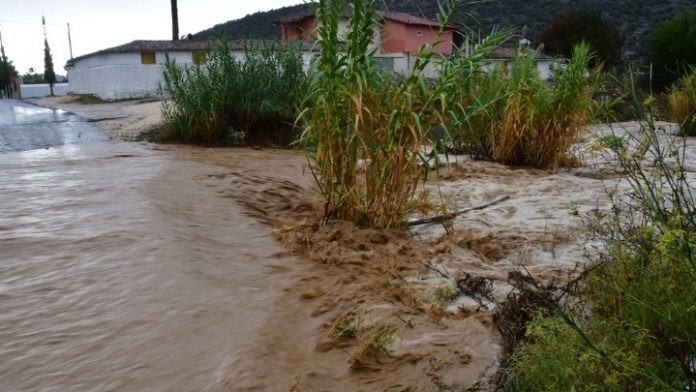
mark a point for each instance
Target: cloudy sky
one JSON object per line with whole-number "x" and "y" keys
{"x": 99, "y": 24}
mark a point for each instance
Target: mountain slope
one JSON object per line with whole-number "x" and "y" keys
{"x": 634, "y": 18}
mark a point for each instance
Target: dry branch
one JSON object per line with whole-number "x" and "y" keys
{"x": 452, "y": 215}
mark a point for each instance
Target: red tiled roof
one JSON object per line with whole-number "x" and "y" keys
{"x": 402, "y": 17}
{"x": 408, "y": 19}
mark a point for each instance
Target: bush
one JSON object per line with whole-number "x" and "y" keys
{"x": 671, "y": 48}
{"x": 230, "y": 101}
{"x": 637, "y": 329}
{"x": 365, "y": 127}
{"x": 514, "y": 117}
{"x": 682, "y": 101}
{"x": 574, "y": 27}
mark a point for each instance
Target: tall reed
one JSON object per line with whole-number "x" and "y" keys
{"x": 366, "y": 128}
{"x": 682, "y": 100}
{"x": 509, "y": 114}
{"x": 254, "y": 98}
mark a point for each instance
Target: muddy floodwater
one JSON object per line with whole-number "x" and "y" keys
{"x": 121, "y": 270}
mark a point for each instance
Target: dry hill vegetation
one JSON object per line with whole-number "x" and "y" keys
{"x": 634, "y": 19}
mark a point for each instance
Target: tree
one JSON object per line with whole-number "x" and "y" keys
{"x": 31, "y": 77}
{"x": 572, "y": 27}
{"x": 175, "y": 21}
{"x": 671, "y": 49}
{"x": 7, "y": 69}
{"x": 49, "y": 73}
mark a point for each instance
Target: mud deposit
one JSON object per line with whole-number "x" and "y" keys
{"x": 135, "y": 267}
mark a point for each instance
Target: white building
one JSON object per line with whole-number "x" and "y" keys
{"x": 134, "y": 70}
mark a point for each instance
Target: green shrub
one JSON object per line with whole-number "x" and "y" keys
{"x": 682, "y": 101}
{"x": 637, "y": 327}
{"x": 229, "y": 101}
{"x": 514, "y": 117}
{"x": 576, "y": 26}
{"x": 671, "y": 49}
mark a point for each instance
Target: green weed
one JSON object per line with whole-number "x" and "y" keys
{"x": 682, "y": 101}
{"x": 634, "y": 324}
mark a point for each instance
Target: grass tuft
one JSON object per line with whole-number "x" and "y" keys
{"x": 682, "y": 101}
{"x": 373, "y": 343}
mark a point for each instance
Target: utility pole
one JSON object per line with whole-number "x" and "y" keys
{"x": 175, "y": 20}
{"x": 70, "y": 41}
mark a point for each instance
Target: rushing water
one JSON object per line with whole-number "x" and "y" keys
{"x": 121, "y": 270}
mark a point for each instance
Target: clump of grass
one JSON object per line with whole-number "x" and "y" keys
{"x": 682, "y": 101}
{"x": 232, "y": 101}
{"x": 634, "y": 324}
{"x": 373, "y": 344}
{"x": 514, "y": 117}
{"x": 445, "y": 294}
{"x": 342, "y": 329}
{"x": 610, "y": 142}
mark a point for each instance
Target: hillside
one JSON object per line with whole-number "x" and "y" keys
{"x": 634, "y": 17}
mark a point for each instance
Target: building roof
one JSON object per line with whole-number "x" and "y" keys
{"x": 401, "y": 17}
{"x": 408, "y": 19}
{"x": 149, "y": 46}
{"x": 163, "y": 46}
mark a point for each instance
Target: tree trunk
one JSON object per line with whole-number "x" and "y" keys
{"x": 175, "y": 21}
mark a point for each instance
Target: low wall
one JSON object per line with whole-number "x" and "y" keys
{"x": 42, "y": 90}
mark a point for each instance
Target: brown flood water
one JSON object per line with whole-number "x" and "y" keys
{"x": 121, "y": 269}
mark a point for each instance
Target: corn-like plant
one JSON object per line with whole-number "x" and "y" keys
{"x": 366, "y": 128}
{"x": 254, "y": 98}
{"x": 682, "y": 101}
{"x": 512, "y": 116}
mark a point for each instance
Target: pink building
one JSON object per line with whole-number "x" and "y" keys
{"x": 398, "y": 32}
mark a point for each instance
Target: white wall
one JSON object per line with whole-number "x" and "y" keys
{"x": 42, "y": 90}
{"x": 543, "y": 66}
{"x": 544, "y": 69}
{"x": 122, "y": 76}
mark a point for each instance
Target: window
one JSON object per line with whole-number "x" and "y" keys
{"x": 147, "y": 58}
{"x": 198, "y": 57}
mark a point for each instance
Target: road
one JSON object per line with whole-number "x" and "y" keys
{"x": 24, "y": 126}
{"x": 126, "y": 267}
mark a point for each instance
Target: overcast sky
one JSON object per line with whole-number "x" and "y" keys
{"x": 99, "y": 24}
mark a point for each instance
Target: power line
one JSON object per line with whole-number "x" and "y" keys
{"x": 29, "y": 23}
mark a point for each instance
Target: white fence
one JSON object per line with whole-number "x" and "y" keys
{"x": 42, "y": 90}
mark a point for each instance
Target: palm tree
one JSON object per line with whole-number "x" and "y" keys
{"x": 175, "y": 21}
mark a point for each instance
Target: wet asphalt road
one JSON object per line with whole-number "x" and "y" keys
{"x": 24, "y": 127}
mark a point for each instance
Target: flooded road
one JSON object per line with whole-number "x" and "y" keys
{"x": 121, "y": 270}
{"x": 24, "y": 127}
